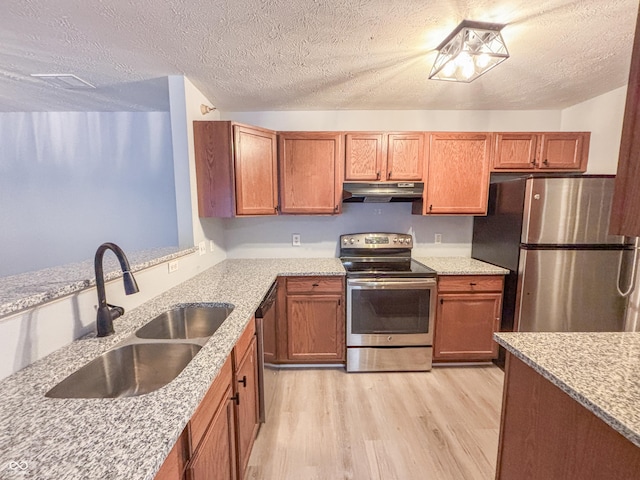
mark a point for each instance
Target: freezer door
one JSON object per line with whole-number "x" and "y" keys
{"x": 570, "y": 210}
{"x": 570, "y": 291}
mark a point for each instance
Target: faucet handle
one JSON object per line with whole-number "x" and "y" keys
{"x": 116, "y": 311}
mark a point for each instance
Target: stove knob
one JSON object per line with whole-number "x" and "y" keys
{"x": 395, "y": 239}
{"x": 352, "y": 241}
{"x": 402, "y": 240}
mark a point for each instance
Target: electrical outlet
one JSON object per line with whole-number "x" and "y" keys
{"x": 438, "y": 238}
{"x": 295, "y": 239}
{"x": 202, "y": 247}
{"x": 211, "y": 245}
{"x": 173, "y": 266}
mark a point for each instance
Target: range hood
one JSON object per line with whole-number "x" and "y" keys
{"x": 382, "y": 192}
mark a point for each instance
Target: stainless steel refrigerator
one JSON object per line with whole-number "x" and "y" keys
{"x": 551, "y": 233}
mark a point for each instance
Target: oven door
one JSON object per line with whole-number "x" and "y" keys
{"x": 390, "y": 311}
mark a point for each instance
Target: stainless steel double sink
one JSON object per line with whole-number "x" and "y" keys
{"x": 147, "y": 360}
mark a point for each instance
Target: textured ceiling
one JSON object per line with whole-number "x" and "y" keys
{"x": 306, "y": 54}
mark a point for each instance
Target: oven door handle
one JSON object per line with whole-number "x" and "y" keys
{"x": 388, "y": 284}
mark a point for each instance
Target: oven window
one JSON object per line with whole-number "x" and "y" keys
{"x": 389, "y": 311}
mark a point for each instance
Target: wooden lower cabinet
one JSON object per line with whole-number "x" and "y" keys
{"x": 311, "y": 320}
{"x": 247, "y": 421}
{"x": 468, "y": 313}
{"x": 173, "y": 467}
{"x": 217, "y": 442}
{"x": 215, "y": 457}
{"x": 545, "y": 434}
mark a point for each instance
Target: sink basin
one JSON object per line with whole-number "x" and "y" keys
{"x": 185, "y": 323}
{"x": 127, "y": 371}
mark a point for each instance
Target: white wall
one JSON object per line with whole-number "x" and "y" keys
{"x": 271, "y": 237}
{"x": 70, "y": 181}
{"x": 602, "y": 116}
{"x": 34, "y": 333}
{"x": 256, "y": 237}
{"x": 185, "y": 100}
{"x": 402, "y": 120}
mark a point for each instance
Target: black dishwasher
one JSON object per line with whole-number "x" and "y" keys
{"x": 266, "y": 332}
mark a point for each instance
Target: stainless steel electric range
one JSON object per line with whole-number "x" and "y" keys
{"x": 391, "y": 303}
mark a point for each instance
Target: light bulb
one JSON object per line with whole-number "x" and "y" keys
{"x": 449, "y": 69}
{"x": 483, "y": 60}
{"x": 465, "y": 63}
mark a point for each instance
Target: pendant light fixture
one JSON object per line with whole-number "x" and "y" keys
{"x": 471, "y": 50}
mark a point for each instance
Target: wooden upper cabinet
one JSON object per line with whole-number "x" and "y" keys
{"x": 236, "y": 169}
{"x": 310, "y": 172}
{"x": 256, "y": 171}
{"x": 515, "y": 151}
{"x": 625, "y": 209}
{"x": 457, "y": 175}
{"x": 405, "y": 157}
{"x": 384, "y": 156}
{"x": 553, "y": 151}
{"x": 365, "y": 157}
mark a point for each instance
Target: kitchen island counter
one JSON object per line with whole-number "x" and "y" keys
{"x": 129, "y": 438}
{"x": 601, "y": 371}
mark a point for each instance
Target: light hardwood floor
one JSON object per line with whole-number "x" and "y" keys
{"x": 330, "y": 425}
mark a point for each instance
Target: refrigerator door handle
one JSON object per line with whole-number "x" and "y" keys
{"x": 634, "y": 271}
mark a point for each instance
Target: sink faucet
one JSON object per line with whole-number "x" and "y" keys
{"x": 108, "y": 313}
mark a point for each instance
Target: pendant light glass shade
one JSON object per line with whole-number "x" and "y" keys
{"x": 471, "y": 50}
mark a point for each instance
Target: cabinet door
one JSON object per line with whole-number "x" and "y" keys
{"x": 246, "y": 384}
{"x": 315, "y": 327}
{"x": 215, "y": 458}
{"x": 405, "y": 156}
{"x": 515, "y": 151}
{"x": 364, "y": 157}
{"x": 465, "y": 324}
{"x": 255, "y": 171}
{"x": 564, "y": 151}
{"x": 310, "y": 172}
{"x": 458, "y": 174}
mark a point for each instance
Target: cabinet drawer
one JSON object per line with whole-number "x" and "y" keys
{"x": 243, "y": 343}
{"x": 470, "y": 283}
{"x": 314, "y": 285}
{"x": 207, "y": 408}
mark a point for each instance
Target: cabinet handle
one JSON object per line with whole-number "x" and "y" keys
{"x": 533, "y": 162}
{"x": 236, "y": 398}
{"x": 335, "y": 209}
{"x": 430, "y": 208}
{"x": 472, "y": 284}
{"x": 315, "y": 284}
{"x": 243, "y": 381}
{"x": 546, "y": 162}
{"x": 275, "y": 209}
{"x": 389, "y": 174}
{"x": 378, "y": 175}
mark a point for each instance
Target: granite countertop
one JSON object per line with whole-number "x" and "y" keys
{"x": 461, "y": 266}
{"x": 601, "y": 371}
{"x": 129, "y": 438}
{"x": 29, "y": 289}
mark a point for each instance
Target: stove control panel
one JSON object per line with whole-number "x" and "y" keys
{"x": 376, "y": 240}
